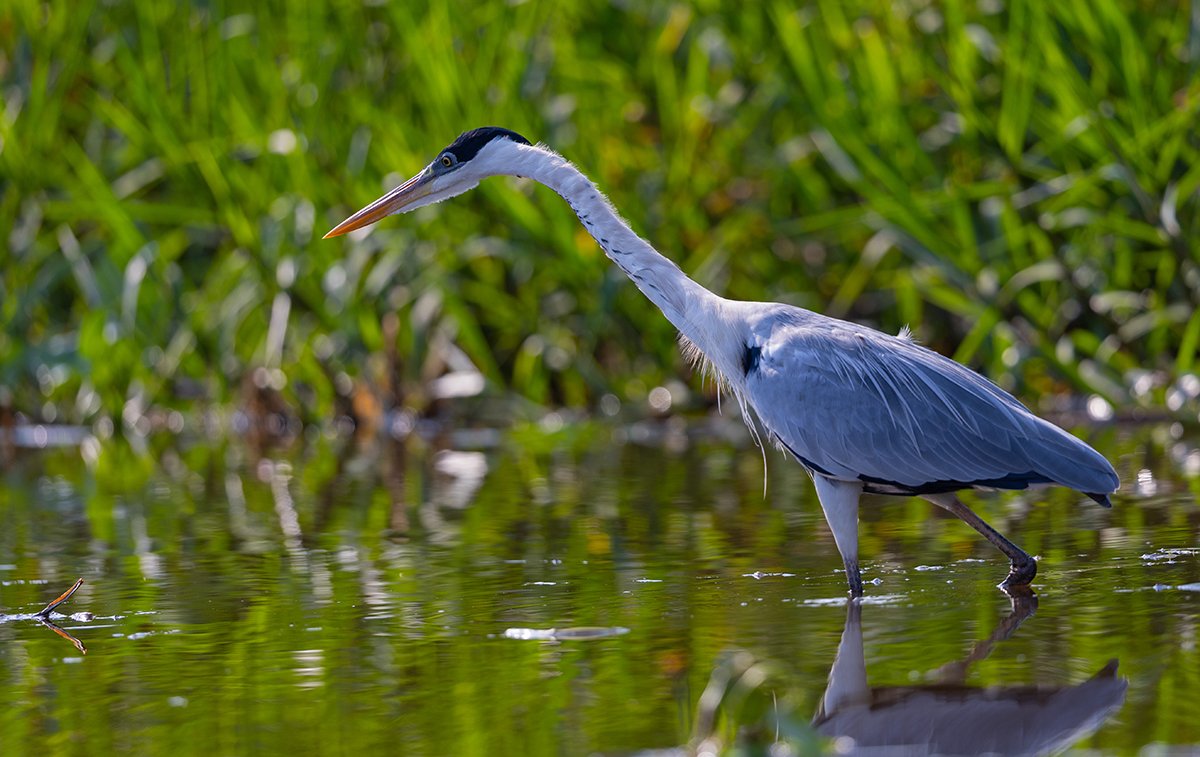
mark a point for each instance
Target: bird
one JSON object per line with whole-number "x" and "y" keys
{"x": 862, "y": 411}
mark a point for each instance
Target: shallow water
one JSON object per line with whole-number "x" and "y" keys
{"x": 575, "y": 592}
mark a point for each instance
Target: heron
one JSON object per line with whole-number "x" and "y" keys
{"x": 861, "y": 410}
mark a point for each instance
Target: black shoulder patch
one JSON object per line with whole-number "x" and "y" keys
{"x": 469, "y": 143}
{"x": 750, "y": 359}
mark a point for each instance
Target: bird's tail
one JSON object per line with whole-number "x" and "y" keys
{"x": 1072, "y": 462}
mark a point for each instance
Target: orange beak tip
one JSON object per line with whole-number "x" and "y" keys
{"x": 392, "y": 202}
{"x": 342, "y": 229}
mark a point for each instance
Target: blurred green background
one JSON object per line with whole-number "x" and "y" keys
{"x": 1016, "y": 180}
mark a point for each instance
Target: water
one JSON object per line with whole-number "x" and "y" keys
{"x": 576, "y": 592}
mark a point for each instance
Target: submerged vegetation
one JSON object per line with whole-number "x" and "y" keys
{"x": 1017, "y": 181}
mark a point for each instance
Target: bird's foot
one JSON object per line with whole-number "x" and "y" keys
{"x": 1020, "y": 575}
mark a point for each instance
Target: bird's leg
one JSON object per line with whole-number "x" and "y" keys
{"x": 1023, "y": 568}
{"x": 839, "y": 500}
{"x": 853, "y": 577}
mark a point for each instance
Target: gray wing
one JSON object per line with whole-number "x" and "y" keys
{"x": 853, "y": 403}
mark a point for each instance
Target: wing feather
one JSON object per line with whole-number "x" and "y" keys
{"x": 862, "y": 405}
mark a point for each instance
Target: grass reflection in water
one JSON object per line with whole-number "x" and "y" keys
{"x": 338, "y": 598}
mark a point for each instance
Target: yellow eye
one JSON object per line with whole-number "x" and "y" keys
{"x": 447, "y": 161}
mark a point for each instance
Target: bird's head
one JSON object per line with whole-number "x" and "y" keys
{"x": 475, "y": 155}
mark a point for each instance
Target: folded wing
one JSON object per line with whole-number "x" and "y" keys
{"x": 853, "y": 403}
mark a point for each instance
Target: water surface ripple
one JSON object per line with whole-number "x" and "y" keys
{"x": 575, "y": 595}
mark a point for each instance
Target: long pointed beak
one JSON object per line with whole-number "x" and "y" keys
{"x": 392, "y": 202}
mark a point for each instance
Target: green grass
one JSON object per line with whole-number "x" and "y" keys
{"x": 1018, "y": 181}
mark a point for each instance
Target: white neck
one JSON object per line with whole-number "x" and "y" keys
{"x": 694, "y": 310}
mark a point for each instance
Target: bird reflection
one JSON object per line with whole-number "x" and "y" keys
{"x": 950, "y": 717}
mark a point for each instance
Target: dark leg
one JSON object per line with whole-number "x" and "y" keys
{"x": 839, "y": 500}
{"x": 1024, "y": 567}
{"x": 853, "y": 577}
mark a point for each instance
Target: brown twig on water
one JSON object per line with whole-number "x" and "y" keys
{"x": 54, "y": 627}
{"x": 45, "y": 611}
